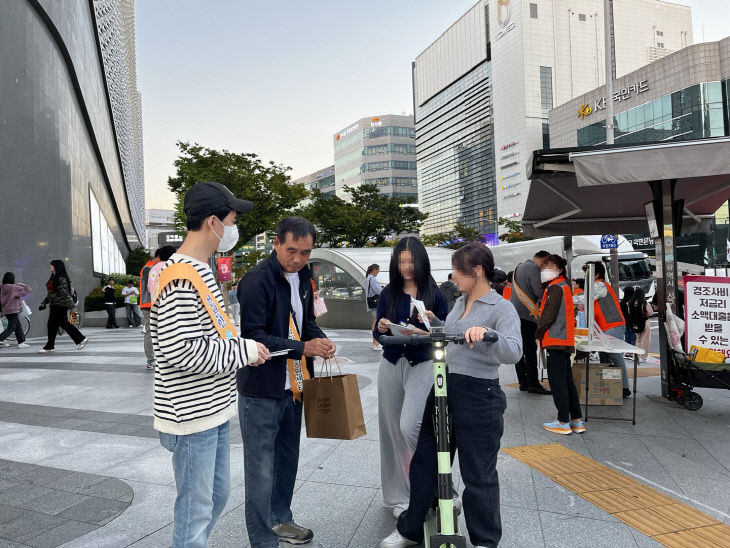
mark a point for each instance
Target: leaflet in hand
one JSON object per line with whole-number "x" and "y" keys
{"x": 421, "y": 309}
{"x": 408, "y": 329}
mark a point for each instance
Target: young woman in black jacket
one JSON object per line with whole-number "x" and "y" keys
{"x": 60, "y": 300}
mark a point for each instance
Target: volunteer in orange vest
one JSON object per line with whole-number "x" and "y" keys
{"x": 145, "y": 299}
{"x": 555, "y": 333}
{"x": 608, "y": 316}
{"x": 507, "y": 291}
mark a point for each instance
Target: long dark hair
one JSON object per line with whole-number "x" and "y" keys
{"x": 9, "y": 278}
{"x": 59, "y": 271}
{"x": 421, "y": 275}
{"x": 639, "y": 298}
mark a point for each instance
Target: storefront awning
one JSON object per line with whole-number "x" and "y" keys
{"x": 603, "y": 191}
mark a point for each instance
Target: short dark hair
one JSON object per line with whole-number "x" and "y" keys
{"x": 130, "y": 282}
{"x": 510, "y": 275}
{"x": 580, "y": 282}
{"x": 195, "y": 222}
{"x": 165, "y": 252}
{"x": 600, "y": 270}
{"x": 558, "y": 262}
{"x": 9, "y": 278}
{"x": 541, "y": 255}
{"x": 467, "y": 258}
{"x": 450, "y": 275}
{"x": 299, "y": 227}
{"x": 110, "y": 279}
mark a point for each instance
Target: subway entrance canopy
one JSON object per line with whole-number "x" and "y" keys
{"x": 663, "y": 188}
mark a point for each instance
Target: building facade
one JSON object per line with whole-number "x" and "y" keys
{"x": 380, "y": 150}
{"x": 322, "y": 180}
{"x": 70, "y": 140}
{"x": 161, "y": 229}
{"x": 497, "y": 73}
{"x": 685, "y": 95}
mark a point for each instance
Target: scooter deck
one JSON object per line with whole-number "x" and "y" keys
{"x": 432, "y": 538}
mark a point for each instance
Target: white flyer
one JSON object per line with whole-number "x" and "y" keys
{"x": 421, "y": 309}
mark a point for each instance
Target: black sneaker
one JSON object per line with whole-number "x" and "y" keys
{"x": 627, "y": 393}
{"x": 292, "y": 533}
{"x": 539, "y": 389}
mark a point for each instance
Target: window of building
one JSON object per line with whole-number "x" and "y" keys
{"x": 660, "y": 44}
{"x": 660, "y": 33}
{"x": 533, "y": 11}
{"x": 546, "y": 90}
{"x": 581, "y": 17}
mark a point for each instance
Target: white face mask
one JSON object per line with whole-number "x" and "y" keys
{"x": 229, "y": 238}
{"x": 548, "y": 275}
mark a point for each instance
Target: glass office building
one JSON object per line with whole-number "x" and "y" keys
{"x": 380, "y": 150}
{"x": 695, "y": 112}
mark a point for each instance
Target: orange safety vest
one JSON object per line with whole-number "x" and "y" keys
{"x": 507, "y": 291}
{"x": 145, "y": 299}
{"x": 607, "y": 310}
{"x": 562, "y": 331}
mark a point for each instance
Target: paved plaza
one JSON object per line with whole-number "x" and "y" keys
{"x": 81, "y": 466}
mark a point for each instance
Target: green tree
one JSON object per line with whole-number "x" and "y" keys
{"x": 247, "y": 176}
{"x": 514, "y": 231}
{"x": 460, "y": 236}
{"x": 369, "y": 218}
{"x": 136, "y": 260}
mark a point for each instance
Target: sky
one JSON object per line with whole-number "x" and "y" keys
{"x": 280, "y": 78}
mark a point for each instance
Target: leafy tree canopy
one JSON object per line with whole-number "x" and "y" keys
{"x": 247, "y": 176}
{"x": 457, "y": 238}
{"x": 514, "y": 231}
{"x": 136, "y": 260}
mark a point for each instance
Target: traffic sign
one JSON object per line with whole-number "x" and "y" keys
{"x": 609, "y": 241}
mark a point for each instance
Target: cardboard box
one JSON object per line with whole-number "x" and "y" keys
{"x": 605, "y": 385}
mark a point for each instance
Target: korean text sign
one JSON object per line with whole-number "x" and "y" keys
{"x": 707, "y": 312}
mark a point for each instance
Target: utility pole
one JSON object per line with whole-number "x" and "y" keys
{"x": 610, "y": 75}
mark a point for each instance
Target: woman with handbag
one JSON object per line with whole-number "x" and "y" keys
{"x": 60, "y": 299}
{"x": 372, "y": 294}
{"x": 405, "y": 375}
{"x": 639, "y": 313}
{"x": 11, "y": 304}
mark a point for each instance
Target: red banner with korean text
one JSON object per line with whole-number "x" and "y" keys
{"x": 225, "y": 269}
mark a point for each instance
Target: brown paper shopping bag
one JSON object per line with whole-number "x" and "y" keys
{"x": 332, "y": 407}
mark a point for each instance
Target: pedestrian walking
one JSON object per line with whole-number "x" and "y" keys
{"x": 198, "y": 353}
{"x": 476, "y": 406}
{"x": 639, "y": 313}
{"x": 11, "y": 304}
{"x": 556, "y": 334}
{"x": 608, "y": 316}
{"x": 145, "y": 299}
{"x": 526, "y": 295}
{"x": 233, "y": 304}
{"x": 131, "y": 298}
{"x": 405, "y": 374}
{"x": 449, "y": 291}
{"x": 507, "y": 291}
{"x": 110, "y": 303}
{"x": 373, "y": 289}
{"x": 630, "y": 334}
{"x": 60, "y": 299}
{"x": 278, "y": 311}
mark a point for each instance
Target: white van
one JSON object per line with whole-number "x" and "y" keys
{"x": 634, "y": 267}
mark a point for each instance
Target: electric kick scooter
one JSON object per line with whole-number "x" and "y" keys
{"x": 441, "y": 526}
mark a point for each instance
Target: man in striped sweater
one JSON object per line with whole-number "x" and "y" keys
{"x": 197, "y": 360}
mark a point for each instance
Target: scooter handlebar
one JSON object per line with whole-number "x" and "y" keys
{"x": 393, "y": 340}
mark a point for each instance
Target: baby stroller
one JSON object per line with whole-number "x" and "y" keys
{"x": 687, "y": 374}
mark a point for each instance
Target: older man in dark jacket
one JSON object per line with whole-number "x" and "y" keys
{"x": 526, "y": 297}
{"x": 277, "y": 310}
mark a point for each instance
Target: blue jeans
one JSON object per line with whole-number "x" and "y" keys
{"x": 270, "y": 429}
{"x": 630, "y": 336}
{"x": 616, "y": 359}
{"x": 476, "y": 409}
{"x": 202, "y": 464}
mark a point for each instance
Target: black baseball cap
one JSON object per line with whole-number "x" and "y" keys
{"x": 204, "y": 199}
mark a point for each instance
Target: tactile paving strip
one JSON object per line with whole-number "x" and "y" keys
{"x": 656, "y": 515}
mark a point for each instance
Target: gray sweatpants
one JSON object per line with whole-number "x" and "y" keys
{"x": 148, "y": 351}
{"x": 402, "y": 393}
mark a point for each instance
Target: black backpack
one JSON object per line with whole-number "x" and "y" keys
{"x": 637, "y": 317}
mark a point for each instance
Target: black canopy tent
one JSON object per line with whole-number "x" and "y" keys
{"x": 612, "y": 189}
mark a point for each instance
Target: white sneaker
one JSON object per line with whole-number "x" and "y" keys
{"x": 23, "y": 345}
{"x": 4, "y": 345}
{"x": 376, "y": 347}
{"x": 396, "y": 540}
{"x": 399, "y": 509}
{"x": 46, "y": 351}
{"x": 82, "y": 344}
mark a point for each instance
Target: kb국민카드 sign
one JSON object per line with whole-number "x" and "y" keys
{"x": 707, "y": 312}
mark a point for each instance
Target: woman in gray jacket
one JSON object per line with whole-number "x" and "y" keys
{"x": 476, "y": 405}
